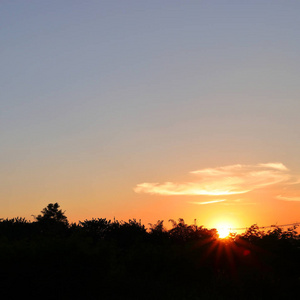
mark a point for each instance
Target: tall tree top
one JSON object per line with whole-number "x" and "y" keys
{"x": 52, "y": 213}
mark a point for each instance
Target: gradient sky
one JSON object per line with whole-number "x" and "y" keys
{"x": 151, "y": 110}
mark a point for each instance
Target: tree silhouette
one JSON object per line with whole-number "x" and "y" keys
{"x": 52, "y": 214}
{"x": 181, "y": 230}
{"x": 184, "y": 262}
{"x": 253, "y": 234}
{"x": 97, "y": 228}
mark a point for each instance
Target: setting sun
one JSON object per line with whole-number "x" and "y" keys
{"x": 223, "y": 230}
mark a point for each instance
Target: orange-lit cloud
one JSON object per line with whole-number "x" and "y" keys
{"x": 288, "y": 198}
{"x": 208, "y": 202}
{"x": 227, "y": 180}
{"x": 278, "y": 166}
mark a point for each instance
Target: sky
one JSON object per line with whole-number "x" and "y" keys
{"x": 153, "y": 110}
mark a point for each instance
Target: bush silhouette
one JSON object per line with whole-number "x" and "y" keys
{"x": 104, "y": 259}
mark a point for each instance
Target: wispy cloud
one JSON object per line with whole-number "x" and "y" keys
{"x": 188, "y": 188}
{"x": 278, "y": 166}
{"x": 227, "y": 180}
{"x": 207, "y": 202}
{"x": 297, "y": 199}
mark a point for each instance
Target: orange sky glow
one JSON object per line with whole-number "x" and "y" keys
{"x": 244, "y": 188}
{"x": 152, "y": 110}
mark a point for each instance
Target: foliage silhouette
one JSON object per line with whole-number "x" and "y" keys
{"x": 52, "y": 214}
{"x": 104, "y": 259}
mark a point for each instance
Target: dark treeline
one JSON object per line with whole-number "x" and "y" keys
{"x": 104, "y": 259}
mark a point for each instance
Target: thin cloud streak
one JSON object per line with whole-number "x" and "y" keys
{"x": 296, "y": 199}
{"x": 188, "y": 188}
{"x": 278, "y": 166}
{"x": 208, "y": 202}
{"x": 227, "y": 180}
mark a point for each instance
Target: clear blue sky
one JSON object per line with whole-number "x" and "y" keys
{"x": 100, "y": 96}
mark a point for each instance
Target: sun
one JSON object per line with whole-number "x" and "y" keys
{"x": 223, "y": 230}
{"x": 225, "y": 225}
